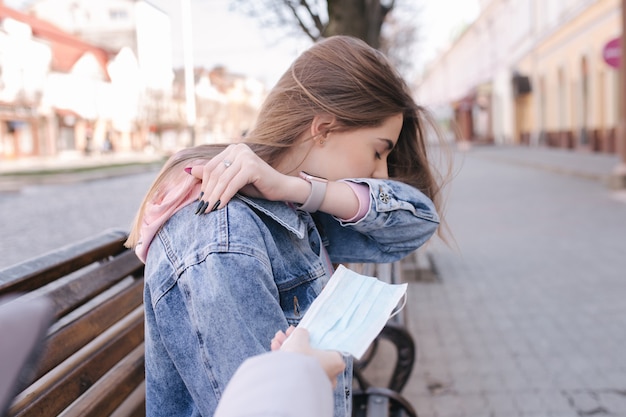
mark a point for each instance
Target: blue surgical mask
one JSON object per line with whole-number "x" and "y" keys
{"x": 351, "y": 311}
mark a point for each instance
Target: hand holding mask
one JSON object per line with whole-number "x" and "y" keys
{"x": 350, "y": 312}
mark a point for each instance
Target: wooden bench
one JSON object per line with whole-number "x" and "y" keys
{"x": 93, "y": 359}
{"x": 92, "y": 363}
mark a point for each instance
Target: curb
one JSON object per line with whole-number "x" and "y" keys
{"x": 16, "y": 180}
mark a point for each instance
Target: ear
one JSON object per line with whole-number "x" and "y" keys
{"x": 321, "y": 125}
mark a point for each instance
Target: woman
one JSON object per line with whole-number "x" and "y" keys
{"x": 335, "y": 171}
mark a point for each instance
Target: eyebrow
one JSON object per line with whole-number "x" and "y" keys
{"x": 389, "y": 143}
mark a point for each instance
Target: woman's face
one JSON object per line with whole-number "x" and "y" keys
{"x": 360, "y": 153}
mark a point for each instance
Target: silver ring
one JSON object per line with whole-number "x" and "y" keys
{"x": 227, "y": 163}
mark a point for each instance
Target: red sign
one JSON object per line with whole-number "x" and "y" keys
{"x": 612, "y": 52}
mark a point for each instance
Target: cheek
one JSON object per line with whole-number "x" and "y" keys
{"x": 360, "y": 167}
{"x": 354, "y": 162}
{"x": 344, "y": 168}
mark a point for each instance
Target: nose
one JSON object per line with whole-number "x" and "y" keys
{"x": 381, "y": 171}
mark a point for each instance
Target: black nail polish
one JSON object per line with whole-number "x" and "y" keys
{"x": 201, "y": 204}
{"x": 201, "y": 195}
{"x": 216, "y": 205}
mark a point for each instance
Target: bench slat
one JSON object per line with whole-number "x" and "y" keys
{"x": 37, "y": 272}
{"x": 60, "y": 387}
{"x": 74, "y": 335}
{"x": 135, "y": 404}
{"x": 75, "y": 292}
{"x": 111, "y": 390}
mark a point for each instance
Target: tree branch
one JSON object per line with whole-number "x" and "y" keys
{"x": 301, "y": 23}
{"x": 316, "y": 18}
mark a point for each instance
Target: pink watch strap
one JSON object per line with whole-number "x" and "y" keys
{"x": 318, "y": 191}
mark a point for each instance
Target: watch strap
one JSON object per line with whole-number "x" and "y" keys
{"x": 318, "y": 191}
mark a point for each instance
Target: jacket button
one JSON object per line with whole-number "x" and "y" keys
{"x": 384, "y": 197}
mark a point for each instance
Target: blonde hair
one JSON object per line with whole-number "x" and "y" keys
{"x": 341, "y": 76}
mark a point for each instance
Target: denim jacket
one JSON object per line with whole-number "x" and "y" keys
{"x": 218, "y": 286}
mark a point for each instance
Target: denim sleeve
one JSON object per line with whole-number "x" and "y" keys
{"x": 400, "y": 220}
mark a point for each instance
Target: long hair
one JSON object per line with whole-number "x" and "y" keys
{"x": 341, "y": 76}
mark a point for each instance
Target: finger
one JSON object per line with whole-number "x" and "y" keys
{"x": 280, "y": 336}
{"x": 290, "y": 330}
{"x": 232, "y": 170}
{"x": 278, "y": 340}
{"x": 224, "y": 183}
{"x": 197, "y": 171}
{"x": 333, "y": 364}
{"x": 216, "y": 175}
{"x": 275, "y": 345}
{"x": 300, "y": 334}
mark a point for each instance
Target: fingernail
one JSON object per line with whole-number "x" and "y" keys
{"x": 216, "y": 205}
{"x": 202, "y": 205}
{"x": 201, "y": 195}
{"x": 188, "y": 170}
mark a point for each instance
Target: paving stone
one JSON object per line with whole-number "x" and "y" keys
{"x": 502, "y": 404}
{"x": 613, "y": 401}
{"x": 534, "y": 291}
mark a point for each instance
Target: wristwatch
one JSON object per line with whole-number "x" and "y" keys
{"x": 318, "y": 191}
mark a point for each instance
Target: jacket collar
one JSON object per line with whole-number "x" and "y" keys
{"x": 279, "y": 211}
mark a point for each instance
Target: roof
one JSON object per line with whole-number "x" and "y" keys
{"x": 67, "y": 49}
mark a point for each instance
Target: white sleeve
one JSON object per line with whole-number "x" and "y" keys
{"x": 276, "y": 384}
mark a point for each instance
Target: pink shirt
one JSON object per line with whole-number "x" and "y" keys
{"x": 177, "y": 195}
{"x": 362, "y": 192}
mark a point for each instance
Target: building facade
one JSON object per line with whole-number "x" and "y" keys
{"x": 117, "y": 24}
{"x": 531, "y": 72}
{"x": 142, "y": 74}
{"x": 85, "y": 77}
{"x": 53, "y": 88}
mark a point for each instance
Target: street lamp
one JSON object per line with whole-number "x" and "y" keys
{"x": 190, "y": 94}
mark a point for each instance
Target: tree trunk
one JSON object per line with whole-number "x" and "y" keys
{"x": 359, "y": 18}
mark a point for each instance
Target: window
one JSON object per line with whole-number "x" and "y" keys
{"x": 118, "y": 14}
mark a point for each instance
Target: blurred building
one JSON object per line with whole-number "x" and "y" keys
{"x": 115, "y": 25}
{"x": 531, "y": 72}
{"x": 61, "y": 94}
{"x": 38, "y": 61}
{"x": 227, "y": 103}
{"x": 141, "y": 74}
{"x": 81, "y": 76}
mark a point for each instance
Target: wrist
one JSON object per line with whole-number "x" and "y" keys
{"x": 297, "y": 190}
{"x": 317, "y": 192}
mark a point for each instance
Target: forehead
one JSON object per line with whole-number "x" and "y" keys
{"x": 393, "y": 127}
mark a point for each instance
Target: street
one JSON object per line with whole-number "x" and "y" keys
{"x": 40, "y": 218}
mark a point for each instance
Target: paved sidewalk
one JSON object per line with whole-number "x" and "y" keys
{"x": 595, "y": 166}
{"x": 528, "y": 314}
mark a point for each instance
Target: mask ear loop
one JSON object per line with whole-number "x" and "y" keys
{"x": 399, "y": 309}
